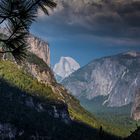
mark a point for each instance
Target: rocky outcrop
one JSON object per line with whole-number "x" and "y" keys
{"x": 7, "y": 131}
{"x": 57, "y": 110}
{"x": 117, "y": 77}
{"x": 136, "y": 107}
{"x": 44, "y": 76}
{"x": 39, "y": 48}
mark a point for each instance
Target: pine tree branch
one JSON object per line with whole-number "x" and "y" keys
{"x": 34, "y": 4}
{"x": 2, "y": 20}
{"x": 5, "y": 52}
{"x": 18, "y": 21}
{"x": 3, "y": 40}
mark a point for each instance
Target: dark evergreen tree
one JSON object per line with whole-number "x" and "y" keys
{"x": 16, "y": 17}
{"x": 134, "y": 135}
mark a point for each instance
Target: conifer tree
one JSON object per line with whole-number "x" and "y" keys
{"x": 16, "y": 17}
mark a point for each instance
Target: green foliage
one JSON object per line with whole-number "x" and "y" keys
{"x": 33, "y": 59}
{"x": 17, "y": 77}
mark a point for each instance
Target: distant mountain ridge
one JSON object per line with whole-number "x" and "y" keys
{"x": 65, "y": 67}
{"x": 117, "y": 77}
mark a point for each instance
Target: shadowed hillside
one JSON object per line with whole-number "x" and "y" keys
{"x": 21, "y": 116}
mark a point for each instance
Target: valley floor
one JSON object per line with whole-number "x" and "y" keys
{"x": 118, "y": 117}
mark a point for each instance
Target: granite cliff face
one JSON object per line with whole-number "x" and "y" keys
{"x": 39, "y": 70}
{"x": 39, "y": 48}
{"x": 136, "y": 107}
{"x": 36, "y": 67}
{"x": 38, "y": 61}
{"x": 117, "y": 77}
{"x": 65, "y": 67}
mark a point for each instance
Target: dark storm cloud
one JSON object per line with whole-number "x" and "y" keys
{"x": 112, "y": 18}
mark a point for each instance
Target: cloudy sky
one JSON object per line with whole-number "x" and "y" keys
{"x": 89, "y": 29}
